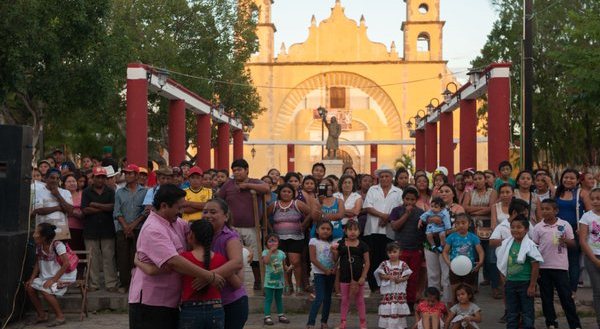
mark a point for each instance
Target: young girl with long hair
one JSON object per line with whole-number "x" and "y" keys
{"x": 464, "y": 314}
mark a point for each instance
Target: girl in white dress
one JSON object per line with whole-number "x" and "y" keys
{"x": 392, "y": 276}
{"x": 48, "y": 277}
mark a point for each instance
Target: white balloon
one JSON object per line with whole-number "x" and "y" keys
{"x": 461, "y": 265}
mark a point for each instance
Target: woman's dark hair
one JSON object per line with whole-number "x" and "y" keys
{"x": 321, "y": 223}
{"x": 341, "y": 182}
{"x": 419, "y": 172}
{"x": 47, "y": 231}
{"x": 444, "y": 177}
{"x": 503, "y": 164}
{"x": 427, "y": 180}
{"x": 277, "y": 170}
{"x": 63, "y": 179}
{"x": 506, "y": 185}
{"x": 467, "y": 288}
{"x": 271, "y": 235}
{"x": 318, "y": 164}
{"x": 289, "y": 175}
{"x": 392, "y": 246}
{"x": 410, "y": 190}
{"x": 285, "y": 185}
{"x": 561, "y": 188}
{"x": 168, "y": 194}
{"x": 352, "y": 224}
{"x": 451, "y": 187}
{"x": 350, "y": 168}
{"x": 309, "y": 177}
{"x": 52, "y": 171}
{"x": 432, "y": 292}
{"x": 268, "y": 177}
{"x": 532, "y": 187}
{"x": 400, "y": 170}
{"x": 203, "y": 235}
{"x": 332, "y": 177}
{"x": 223, "y": 205}
{"x": 521, "y": 219}
{"x": 517, "y": 205}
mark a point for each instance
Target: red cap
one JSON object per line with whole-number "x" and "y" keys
{"x": 99, "y": 171}
{"x": 132, "y": 168}
{"x": 195, "y": 170}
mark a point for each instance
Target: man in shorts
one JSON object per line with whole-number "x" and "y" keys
{"x": 237, "y": 191}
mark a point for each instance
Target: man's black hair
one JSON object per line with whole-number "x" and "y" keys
{"x": 240, "y": 163}
{"x": 168, "y": 194}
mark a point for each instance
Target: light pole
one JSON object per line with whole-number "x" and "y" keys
{"x": 323, "y": 114}
{"x": 447, "y": 93}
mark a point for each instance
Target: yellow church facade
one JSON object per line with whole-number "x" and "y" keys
{"x": 371, "y": 89}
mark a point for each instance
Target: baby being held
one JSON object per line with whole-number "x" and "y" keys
{"x": 438, "y": 222}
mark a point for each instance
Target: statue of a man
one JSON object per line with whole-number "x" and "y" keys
{"x": 333, "y": 145}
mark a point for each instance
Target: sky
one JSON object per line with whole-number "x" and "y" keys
{"x": 468, "y": 23}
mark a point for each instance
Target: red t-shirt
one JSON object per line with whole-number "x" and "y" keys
{"x": 437, "y": 308}
{"x": 188, "y": 292}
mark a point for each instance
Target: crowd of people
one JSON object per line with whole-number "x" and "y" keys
{"x": 176, "y": 239}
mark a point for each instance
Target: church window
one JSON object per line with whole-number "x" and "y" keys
{"x": 423, "y": 8}
{"x": 423, "y": 42}
{"x": 337, "y": 97}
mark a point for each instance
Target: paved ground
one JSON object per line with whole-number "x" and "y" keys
{"x": 492, "y": 310}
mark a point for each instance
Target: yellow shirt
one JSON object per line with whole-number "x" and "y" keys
{"x": 203, "y": 195}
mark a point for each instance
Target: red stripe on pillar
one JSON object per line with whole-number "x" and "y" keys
{"x": 176, "y": 132}
{"x": 498, "y": 121}
{"x": 136, "y": 122}
{"x": 291, "y": 156}
{"x": 431, "y": 155}
{"x": 468, "y": 134}
{"x": 447, "y": 144}
{"x": 373, "y": 158}
{"x": 420, "y": 149}
{"x": 223, "y": 145}
{"x": 203, "y": 139}
{"x": 238, "y": 144}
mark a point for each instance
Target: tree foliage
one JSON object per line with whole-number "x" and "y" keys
{"x": 566, "y": 84}
{"x": 65, "y": 64}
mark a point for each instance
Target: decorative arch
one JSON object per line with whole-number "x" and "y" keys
{"x": 285, "y": 115}
{"x": 423, "y": 42}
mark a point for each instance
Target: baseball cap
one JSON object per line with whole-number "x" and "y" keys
{"x": 99, "y": 171}
{"x": 132, "y": 168}
{"x": 195, "y": 170}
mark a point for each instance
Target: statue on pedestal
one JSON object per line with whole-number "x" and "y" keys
{"x": 334, "y": 129}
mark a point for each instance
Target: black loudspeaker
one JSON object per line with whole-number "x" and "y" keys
{"x": 15, "y": 177}
{"x": 15, "y": 195}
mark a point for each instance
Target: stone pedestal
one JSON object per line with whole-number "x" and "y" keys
{"x": 334, "y": 167}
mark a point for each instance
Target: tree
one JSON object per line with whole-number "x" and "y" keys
{"x": 566, "y": 54}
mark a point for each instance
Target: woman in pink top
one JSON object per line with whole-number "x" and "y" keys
{"x": 75, "y": 216}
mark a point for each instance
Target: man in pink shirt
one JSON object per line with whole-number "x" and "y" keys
{"x": 154, "y": 300}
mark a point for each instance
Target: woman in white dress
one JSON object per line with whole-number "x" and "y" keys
{"x": 48, "y": 276}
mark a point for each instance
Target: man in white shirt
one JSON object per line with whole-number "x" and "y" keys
{"x": 52, "y": 204}
{"x": 379, "y": 202}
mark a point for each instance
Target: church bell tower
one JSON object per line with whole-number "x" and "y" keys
{"x": 265, "y": 31}
{"x": 423, "y": 31}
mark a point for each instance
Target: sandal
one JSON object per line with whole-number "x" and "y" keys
{"x": 269, "y": 321}
{"x": 57, "y": 323}
{"x": 38, "y": 320}
{"x": 324, "y": 326}
{"x": 283, "y": 319}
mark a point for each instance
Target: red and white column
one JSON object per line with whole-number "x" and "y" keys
{"x": 420, "y": 149}
{"x": 203, "y": 139}
{"x": 223, "y": 146}
{"x": 498, "y": 114}
{"x": 238, "y": 144}
{"x": 291, "y": 158}
{"x": 468, "y": 134}
{"x": 373, "y": 158}
{"x": 136, "y": 119}
{"x": 431, "y": 155}
{"x": 447, "y": 143}
{"x": 176, "y": 132}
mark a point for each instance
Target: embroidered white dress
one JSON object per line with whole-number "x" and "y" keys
{"x": 392, "y": 307}
{"x": 48, "y": 268}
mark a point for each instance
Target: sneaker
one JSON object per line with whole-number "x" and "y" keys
{"x": 283, "y": 319}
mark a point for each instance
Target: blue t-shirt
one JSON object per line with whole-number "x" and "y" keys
{"x": 462, "y": 245}
{"x": 274, "y": 274}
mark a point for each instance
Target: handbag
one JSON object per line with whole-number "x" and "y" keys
{"x": 354, "y": 286}
{"x": 71, "y": 256}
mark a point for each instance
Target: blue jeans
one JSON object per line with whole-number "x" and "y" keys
{"x": 236, "y": 313}
{"x": 574, "y": 264}
{"x": 323, "y": 289}
{"x": 517, "y": 302}
{"x": 201, "y": 316}
{"x": 489, "y": 266}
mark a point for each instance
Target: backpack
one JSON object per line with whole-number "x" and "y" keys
{"x": 73, "y": 258}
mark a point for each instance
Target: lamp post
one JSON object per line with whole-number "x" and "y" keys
{"x": 447, "y": 93}
{"x": 163, "y": 75}
{"x": 430, "y": 107}
{"x": 474, "y": 75}
{"x": 323, "y": 114}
